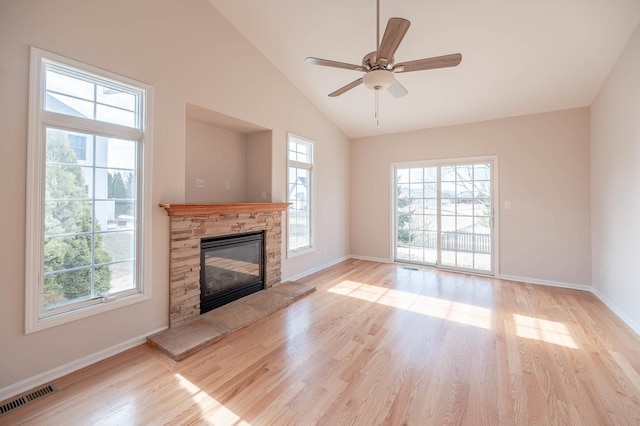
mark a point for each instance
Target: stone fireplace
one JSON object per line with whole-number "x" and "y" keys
{"x": 191, "y": 223}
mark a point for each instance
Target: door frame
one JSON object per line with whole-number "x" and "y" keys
{"x": 495, "y": 201}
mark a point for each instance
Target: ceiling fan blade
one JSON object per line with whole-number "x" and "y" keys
{"x": 396, "y": 89}
{"x": 343, "y": 89}
{"x": 429, "y": 63}
{"x": 334, "y": 64}
{"x": 393, "y": 35}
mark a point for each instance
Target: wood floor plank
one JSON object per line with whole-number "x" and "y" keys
{"x": 379, "y": 344}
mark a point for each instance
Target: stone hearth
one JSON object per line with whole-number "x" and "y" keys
{"x": 189, "y": 223}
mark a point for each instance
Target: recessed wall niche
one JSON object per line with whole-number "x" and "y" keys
{"x": 227, "y": 160}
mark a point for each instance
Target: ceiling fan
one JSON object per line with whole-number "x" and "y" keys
{"x": 379, "y": 65}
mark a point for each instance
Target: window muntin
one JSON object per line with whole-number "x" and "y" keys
{"x": 300, "y": 180}
{"x": 87, "y": 192}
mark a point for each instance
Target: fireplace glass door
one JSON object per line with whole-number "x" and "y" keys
{"x": 231, "y": 268}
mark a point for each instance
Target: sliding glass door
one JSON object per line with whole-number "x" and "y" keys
{"x": 444, "y": 215}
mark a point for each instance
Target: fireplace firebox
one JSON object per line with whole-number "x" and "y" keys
{"x": 231, "y": 267}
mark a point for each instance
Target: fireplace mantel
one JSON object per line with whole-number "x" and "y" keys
{"x": 182, "y": 210}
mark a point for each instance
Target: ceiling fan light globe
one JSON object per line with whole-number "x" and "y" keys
{"x": 378, "y": 79}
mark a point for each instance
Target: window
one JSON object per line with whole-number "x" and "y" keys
{"x": 300, "y": 187}
{"x": 444, "y": 213}
{"x": 88, "y": 192}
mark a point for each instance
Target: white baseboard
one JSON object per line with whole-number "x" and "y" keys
{"x": 545, "y": 282}
{"x": 316, "y": 269}
{"x": 48, "y": 376}
{"x": 370, "y": 259}
{"x": 624, "y": 317}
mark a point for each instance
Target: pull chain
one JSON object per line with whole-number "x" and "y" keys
{"x": 377, "y": 113}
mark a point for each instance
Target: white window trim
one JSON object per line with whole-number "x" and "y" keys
{"x": 38, "y": 119}
{"x": 495, "y": 200}
{"x": 311, "y": 167}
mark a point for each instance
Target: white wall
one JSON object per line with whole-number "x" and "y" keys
{"x": 258, "y": 165}
{"x": 615, "y": 190}
{"x": 543, "y": 172}
{"x": 190, "y": 54}
{"x": 216, "y": 156}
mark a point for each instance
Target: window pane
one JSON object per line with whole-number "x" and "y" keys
{"x": 114, "y": 215}
{"x": 482, "y": 262}
{"x": 482, "y": 172}
{"x": 121, "y": 276}
{"x": 61, "y": 253}
{"x": 431, "y": 206}
{"x": 482, "y": 207}
{"x": 115, "y": 153}
{"x": 448, "y": 174}
{"x": 464, "y": 224}
{"x": 447, "y": 206}
{"x": 66, "y": 287}
{"x": 431, "y": 174}
{"x": 119, "y": 245}
{"x": 116, "y": 98}
{"x": 403, "y": 191}
{"x": 431, "y": 190}
{"x": 416, "y": 175}
{"x": 464, "y": 172}
{"x": 465, "y": 260}
{"x": 402, "y": 175}
{"x": 66, "y": 147}
{"x": 448, "y": 223}
{"x": 115, "y": 115}
{"x": 69, "y": 106}
{"x": 416, "y": 190}
{"x": 70, "y": 86}
{"x": 464, "y": 206}
{"x": 65, "y": 217}
{"x": 448, "y": 189}
{"x": 481, "y": 189}
{"x": 431, "y": 223}
{"x": 448, "y": 257}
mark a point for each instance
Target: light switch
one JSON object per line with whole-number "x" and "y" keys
{"x": 507, "y": 205}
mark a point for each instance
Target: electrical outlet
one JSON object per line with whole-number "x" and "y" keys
{"x": 263, "y": 195}
{"x": 227, "y": 184}
{"x": 199, "y": 183}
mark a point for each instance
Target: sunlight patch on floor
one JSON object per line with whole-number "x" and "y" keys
{"x": 214, "y": 412}
{"x": 440, "y": 308}
{"x": 553, "y": 332}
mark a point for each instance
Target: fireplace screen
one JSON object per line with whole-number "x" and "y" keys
{"x": 231, "y": 267}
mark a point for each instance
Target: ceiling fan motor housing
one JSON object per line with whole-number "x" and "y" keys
{"x": 372, "y": 61}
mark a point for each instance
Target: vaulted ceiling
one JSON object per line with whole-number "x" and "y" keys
{"x": 518, "y": 56}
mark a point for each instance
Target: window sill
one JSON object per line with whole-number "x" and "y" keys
{"x": 299, "y": 252}
{"x": 34, "y": 324}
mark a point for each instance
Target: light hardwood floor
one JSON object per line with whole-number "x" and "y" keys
{"x": 380, "y": 344}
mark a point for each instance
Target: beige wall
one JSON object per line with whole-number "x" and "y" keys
{"x": 190, "y": 54}
{"x": 258, "y": 164}
{"x": 615, "y": 192}
{"x": 543, "y": 173}
{"x": 216, "y": 156}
